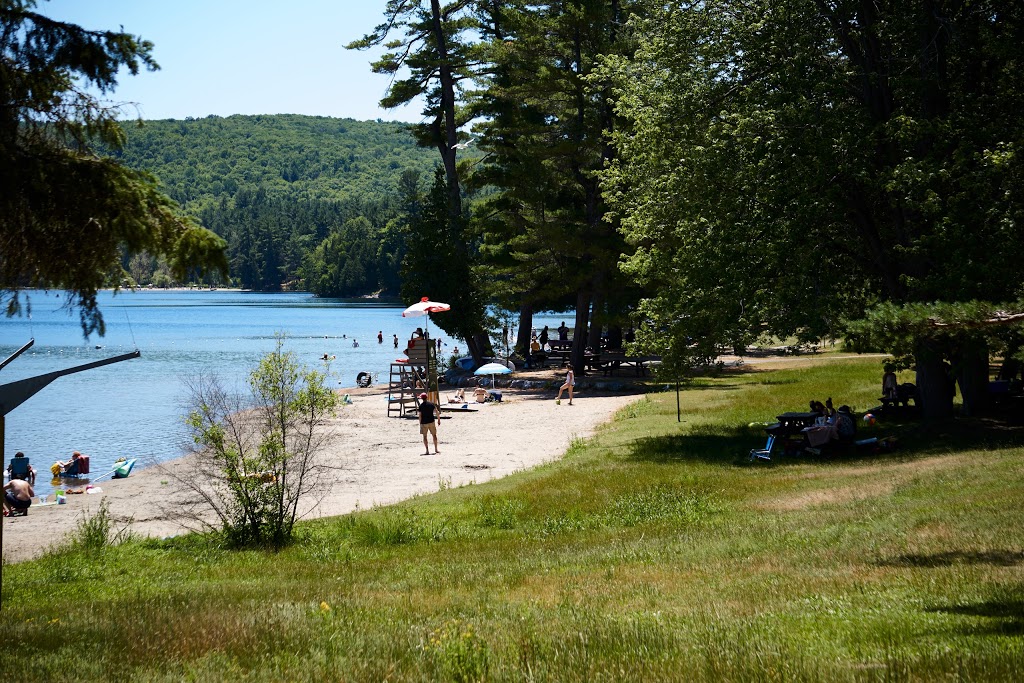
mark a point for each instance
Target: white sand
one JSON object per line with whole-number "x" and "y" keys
{"x": 381, "y": 457}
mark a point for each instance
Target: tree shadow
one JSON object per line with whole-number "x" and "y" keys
{"x": 731, "y": 446}
{"x": 726, "y": 448}
{"x": 1000, "y": 558}
{"x": 1006, "y": 616}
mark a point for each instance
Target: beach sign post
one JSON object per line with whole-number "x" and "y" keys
{"x": 14, "y": 394}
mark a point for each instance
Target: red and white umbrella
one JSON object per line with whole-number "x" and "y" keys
{"x": 424, "y": 306}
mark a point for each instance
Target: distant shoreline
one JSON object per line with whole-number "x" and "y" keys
{"x": 364, "y": 297}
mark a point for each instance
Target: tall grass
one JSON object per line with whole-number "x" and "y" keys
{"x": 655, "y": 551}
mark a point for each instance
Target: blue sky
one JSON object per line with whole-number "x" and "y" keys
{"x": 245, "y": 56}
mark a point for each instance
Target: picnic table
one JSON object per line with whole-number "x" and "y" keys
{"x": 612, "y": 361}
{"x": 791, "y": 423}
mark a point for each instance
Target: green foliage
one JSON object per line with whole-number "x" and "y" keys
{"x": 262, "y": 456}
{"x": 435, "y": 263}
{"x": 789, "y": 164}
{"x": 315, "y": 160}
{"x": 96, "y": 532}
{"x": 548, "y": 240}
{"x": 459, "y": 652}
{"x": 281, "y": 190}
{"x": 67, "y": 213}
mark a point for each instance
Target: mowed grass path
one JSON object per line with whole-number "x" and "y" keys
{"x": 653, "y": 551}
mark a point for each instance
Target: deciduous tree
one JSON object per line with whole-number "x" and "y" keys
{"x": 791, "y": 162}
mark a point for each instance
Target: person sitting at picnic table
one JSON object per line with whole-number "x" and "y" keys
{"x": 819, "y": 408}
{"x": 839, "y": 425}
{"x": 17, "y": 496}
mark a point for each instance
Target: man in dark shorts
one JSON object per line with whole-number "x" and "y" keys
{"x": 429, "y": 414}
{"x": 18, "y": 495}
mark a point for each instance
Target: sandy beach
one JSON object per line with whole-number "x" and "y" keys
{"x": 382, "y": 462}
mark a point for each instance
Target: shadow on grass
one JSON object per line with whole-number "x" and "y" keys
{"x": 1006, "y": 615}
{"x": 1001, "y": 558}
{"x": 731, "y": 446}
{"x": 728, "y": 448}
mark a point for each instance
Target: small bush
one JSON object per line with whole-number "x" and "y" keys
{"x": 97, "y": 532}
{"x": 399, "y": 527}
{"x": 499, "y": 513}
{"x": 458, "y": 652}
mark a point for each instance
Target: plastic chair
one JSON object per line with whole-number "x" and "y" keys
{"x": 19, "y": 468}
{"x": 78, "y": 467}
{"x": 764, "y": 454}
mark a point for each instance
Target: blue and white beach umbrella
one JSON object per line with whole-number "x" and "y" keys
{"x": 492, "y": 369}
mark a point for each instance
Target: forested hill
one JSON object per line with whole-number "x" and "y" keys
{"x": 277, "y": 186}
{"x": 199, "y": 161}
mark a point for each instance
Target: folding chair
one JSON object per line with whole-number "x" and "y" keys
{"x": 763, "y": 454}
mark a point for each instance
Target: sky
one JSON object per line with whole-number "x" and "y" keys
{"x": 229, "y": 57}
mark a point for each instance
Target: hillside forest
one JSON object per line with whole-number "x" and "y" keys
{"x": 303, "y": 202}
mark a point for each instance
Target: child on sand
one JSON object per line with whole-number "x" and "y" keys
{"x": 570, "y": 382}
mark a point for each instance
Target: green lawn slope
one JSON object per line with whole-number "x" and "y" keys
{"x": 652, "y": 552}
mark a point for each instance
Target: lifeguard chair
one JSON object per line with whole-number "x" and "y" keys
{"x": 420, "y": 368}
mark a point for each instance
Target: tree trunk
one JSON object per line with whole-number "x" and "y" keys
{"x": 475, "y": 350}
{"x": 934, "y": 385}
{"x": 525, "y": 325}
{"x": 594, "y": 334}
{"x": 483, "y": 341}
{"x": 579, "y": 335}
{"x": 615, "y": 336}
{"x": 972, "y": 376}
{"x": 447, "y": 137}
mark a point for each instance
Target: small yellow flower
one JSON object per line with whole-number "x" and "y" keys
{"x": 324, "y": 607}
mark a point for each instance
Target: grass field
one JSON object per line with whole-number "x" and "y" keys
{"x": 652, "y": 552}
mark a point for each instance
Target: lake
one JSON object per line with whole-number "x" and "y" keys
{"x": 134, "y": 408}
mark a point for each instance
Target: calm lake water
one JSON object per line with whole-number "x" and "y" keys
{"x": 134, "y": 408}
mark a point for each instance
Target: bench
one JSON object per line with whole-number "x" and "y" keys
{"x": 610, "y": 362}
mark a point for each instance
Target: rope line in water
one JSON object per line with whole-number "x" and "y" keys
{"x": 130, "y": 330}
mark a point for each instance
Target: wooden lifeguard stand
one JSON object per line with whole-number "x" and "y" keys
{"x": 421, "y": 369}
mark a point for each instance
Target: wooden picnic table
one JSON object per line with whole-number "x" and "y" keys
{"x": 610, "y": 362}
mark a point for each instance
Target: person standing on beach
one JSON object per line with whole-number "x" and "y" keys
{"x": 570, "y": 382}
{"x": 543, "y": 338}
{"x": 429, "y": 415}
{"x": 563, "y": 332}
